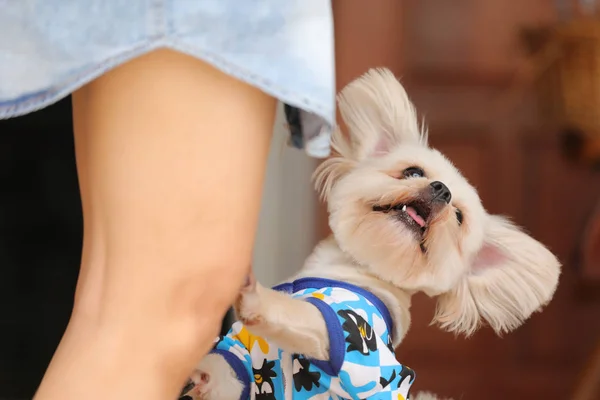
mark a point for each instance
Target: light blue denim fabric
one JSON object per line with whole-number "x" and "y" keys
{"x": 49, "y": 48}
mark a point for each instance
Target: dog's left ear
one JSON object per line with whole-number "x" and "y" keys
{"x": 511, "y": 277}
{"x": 378, "y": 114}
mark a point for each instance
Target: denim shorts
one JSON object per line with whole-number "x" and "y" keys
{"x": 49, "y": 48}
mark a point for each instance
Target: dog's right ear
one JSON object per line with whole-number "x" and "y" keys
{"x": 379, "y": 116}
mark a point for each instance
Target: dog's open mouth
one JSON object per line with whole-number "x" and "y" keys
{"x": 414, "y": 214}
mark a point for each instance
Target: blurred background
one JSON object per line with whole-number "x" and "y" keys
{"x": 510, "y": 90}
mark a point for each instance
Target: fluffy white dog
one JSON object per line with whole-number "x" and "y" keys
{"x": 404, "y": 220}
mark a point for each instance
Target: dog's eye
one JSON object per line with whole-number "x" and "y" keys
{"x": 459, "y": 216}
{"x": 413, "y": 172}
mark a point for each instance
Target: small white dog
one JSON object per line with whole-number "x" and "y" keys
{"x": 404, "y": 220}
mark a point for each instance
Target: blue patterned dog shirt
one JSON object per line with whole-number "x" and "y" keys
{"x": 361, "y": 364}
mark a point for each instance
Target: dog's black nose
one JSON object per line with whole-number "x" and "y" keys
{"x": 440, "y": 192}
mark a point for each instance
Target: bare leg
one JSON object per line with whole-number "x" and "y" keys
{"x": 295, "y": 325}
{"x": 171, "y": 155}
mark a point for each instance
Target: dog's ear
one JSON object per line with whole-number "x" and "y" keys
{"x": 512, "y": 276}
{"x": 378, "y": 114}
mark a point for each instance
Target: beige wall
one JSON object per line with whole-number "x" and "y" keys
{"x": 286, "y": 233}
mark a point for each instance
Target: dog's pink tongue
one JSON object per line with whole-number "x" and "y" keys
{"x": 413, "y": 214}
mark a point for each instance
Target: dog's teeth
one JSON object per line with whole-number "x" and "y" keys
{"x": 404, "y": 207}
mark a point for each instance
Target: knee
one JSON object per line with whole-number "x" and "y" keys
{"x": 187, "y": 287}
{"x": 209, "y": 288}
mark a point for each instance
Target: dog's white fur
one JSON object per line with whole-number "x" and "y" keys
{"x": 484, "y": 269}
{"x": 222, "y": 384}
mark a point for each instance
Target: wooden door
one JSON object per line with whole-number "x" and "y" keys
{"x": 459, "y": 58}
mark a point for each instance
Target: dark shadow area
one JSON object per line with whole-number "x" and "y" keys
{"x": 40, "y": 243}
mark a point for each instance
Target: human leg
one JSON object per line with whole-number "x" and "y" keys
{"x": 171, "y": 156}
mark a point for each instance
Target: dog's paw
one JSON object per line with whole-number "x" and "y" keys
{"x": 248, "y": 306}
{"x": 213, "y": 379}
